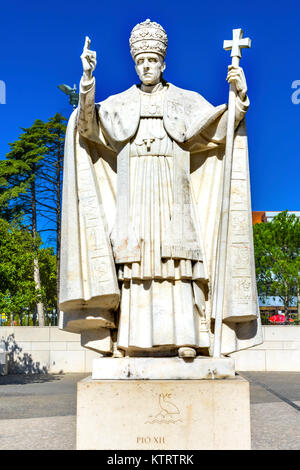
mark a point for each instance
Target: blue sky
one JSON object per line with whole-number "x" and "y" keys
{"x": 41, "y": 43}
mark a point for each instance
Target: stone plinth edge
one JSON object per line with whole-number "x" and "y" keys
{"x": 162, "y": 368}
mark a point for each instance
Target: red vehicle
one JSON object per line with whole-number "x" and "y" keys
{"x": 279, "y": 318}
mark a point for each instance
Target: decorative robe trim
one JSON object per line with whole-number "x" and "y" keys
{"x": 183, "y": 241}
{"x": 124, "y": 241}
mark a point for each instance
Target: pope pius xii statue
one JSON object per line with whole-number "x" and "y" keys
{"x": 142, "y": 200}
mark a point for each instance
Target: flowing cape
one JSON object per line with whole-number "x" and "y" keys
{"x": 241, "y": 318}
{"x": 89, "y": 292}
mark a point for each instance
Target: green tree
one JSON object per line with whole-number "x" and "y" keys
{"x": 24, "y": 162}
{"x": 30, "y": 188}
{"x": 18, "y": 292}
{"x": 277, "y": 259}
{"x": 50, "y": 183}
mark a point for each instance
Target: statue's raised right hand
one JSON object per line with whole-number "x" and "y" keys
{"x": 88, "y": 59}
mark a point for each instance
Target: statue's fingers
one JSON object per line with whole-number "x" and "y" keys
{"x": 233, "y": 80}
{"x": 234, "y": 75}
{"x": 84, "y": 60}
{"x": 91, "y": 53}
{"x": 92, "y": 63}
{"x": 87, "y": 43}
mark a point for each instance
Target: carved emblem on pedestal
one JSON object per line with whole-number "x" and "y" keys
{"x": 168, "y": 412}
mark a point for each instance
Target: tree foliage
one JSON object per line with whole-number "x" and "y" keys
{"x": 277, "y": 258}
{"x": 31, "y": 175}
{"x": 30, "y": 202}
{"x": 18, "y": 292}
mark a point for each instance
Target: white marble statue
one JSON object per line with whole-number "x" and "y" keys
{"x": 142, "y": 203}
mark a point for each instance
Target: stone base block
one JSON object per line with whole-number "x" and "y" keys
{"x": 162, "y": 368}
{"x": 163, "y": 414}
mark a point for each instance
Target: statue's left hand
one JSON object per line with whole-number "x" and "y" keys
{"x": 236, "y": 75}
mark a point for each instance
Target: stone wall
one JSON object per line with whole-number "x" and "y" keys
{"x": 34, "y": 349}
{"x": 280, "y": 351}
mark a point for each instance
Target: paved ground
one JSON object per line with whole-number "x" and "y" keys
{"x": 38, "y": 412}
{"x": 275, "y": 410}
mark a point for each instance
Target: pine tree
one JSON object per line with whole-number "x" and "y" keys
{"x": 31, "y": 187}
{"x": 19, "y": 194}
{"x": 50, "y": 178}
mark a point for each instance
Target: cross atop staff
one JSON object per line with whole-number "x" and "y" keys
{"x": 236, "y": 44}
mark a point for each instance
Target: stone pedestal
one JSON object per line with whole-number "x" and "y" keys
{"x": 163, "y": 414}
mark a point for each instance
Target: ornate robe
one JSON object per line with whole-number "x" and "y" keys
{"x": 147, "y": 173}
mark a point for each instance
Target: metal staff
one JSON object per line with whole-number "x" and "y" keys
{"x": 235, "y": 46}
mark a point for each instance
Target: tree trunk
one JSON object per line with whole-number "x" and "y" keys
{"x": 36, "y": 268}
{"x": 286, "y": 304}
{"x": 37, "y": 280}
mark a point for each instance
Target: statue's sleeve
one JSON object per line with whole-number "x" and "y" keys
{"x": 88, "y": 123}
{"x": 216, "y": 131}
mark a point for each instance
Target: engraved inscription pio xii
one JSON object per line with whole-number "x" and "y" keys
{"x": 151, "y": 440}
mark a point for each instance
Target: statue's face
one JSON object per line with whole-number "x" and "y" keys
{"x": 149, "y": 67}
